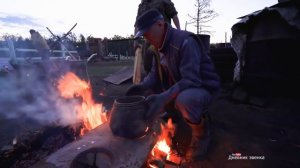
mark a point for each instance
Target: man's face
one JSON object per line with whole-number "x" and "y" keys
{"x": 155, "y": 34}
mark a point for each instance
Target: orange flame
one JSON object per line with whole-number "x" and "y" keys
{"x": 90, "y": 113}
{"x": 162, "y": 147}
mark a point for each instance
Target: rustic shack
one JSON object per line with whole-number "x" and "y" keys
{"x": 267, "y": 46}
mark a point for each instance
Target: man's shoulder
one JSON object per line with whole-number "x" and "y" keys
{"x": 181, "y": 33}
{"x": 184, "y": 34}
{"x": 176, "y": 37}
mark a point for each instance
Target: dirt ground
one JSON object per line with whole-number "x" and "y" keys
{"x": 264, "y": 136}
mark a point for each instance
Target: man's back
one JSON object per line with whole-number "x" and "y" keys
{"x": 39, "y": 42}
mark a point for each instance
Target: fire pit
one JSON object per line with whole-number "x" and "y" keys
{"x": 95, "y": 157}
{"x": 100, "y": 147}
{"x": 124, "y": 140}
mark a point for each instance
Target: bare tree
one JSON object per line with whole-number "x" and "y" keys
{"x": 203, "y": 16}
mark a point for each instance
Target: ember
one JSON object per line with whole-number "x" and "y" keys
{"x": 90, "y": 113}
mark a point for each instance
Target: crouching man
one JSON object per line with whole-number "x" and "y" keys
{"x": 182, "y": 78}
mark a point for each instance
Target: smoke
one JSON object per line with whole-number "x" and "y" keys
{"x": 27, "y": 93}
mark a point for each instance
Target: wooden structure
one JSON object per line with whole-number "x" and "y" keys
{"x": 267, "y": 46}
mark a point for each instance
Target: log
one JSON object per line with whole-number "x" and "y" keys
{"x": 137, "y": 66}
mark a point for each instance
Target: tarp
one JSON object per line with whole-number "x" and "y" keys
{"x": 288, "y": 11}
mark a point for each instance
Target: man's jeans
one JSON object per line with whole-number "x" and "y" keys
{"x": 192, "y": 103}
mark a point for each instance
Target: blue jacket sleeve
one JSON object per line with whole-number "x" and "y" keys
{"x": 189, "y": 68}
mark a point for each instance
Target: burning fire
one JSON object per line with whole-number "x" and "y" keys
{"x": 89, "y": 112}
{"x": 162, "y": 149}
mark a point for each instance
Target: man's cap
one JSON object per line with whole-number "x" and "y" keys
{"x": 146, "y": 20}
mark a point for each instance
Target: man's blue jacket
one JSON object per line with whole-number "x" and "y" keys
{"x": 184, "y": 64}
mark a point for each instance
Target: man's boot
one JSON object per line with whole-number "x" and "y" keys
{"x": 198, "y": 147}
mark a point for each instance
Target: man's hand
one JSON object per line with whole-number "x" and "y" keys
{"x": 156, "y": 104}
{"x": 135, "y": 90}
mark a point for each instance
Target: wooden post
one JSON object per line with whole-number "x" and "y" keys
{"x": 137, "y": 66}
{"x": 63, "y": 53}
{"x": 12, "y": 51}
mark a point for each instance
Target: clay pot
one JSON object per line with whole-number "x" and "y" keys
{"x": 127, "y": 118}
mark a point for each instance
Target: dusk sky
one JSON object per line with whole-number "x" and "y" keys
{"x": 106, "y": 18}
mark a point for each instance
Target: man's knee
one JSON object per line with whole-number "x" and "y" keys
{"x": 184, "y": 100}
{"x": 192, "y": 103}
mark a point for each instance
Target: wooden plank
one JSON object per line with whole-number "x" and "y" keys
{"x": 120, "y": 76}
{"x": 137, "y": 66}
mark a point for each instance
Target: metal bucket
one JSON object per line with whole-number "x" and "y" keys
{"x": 127, "y": 118}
